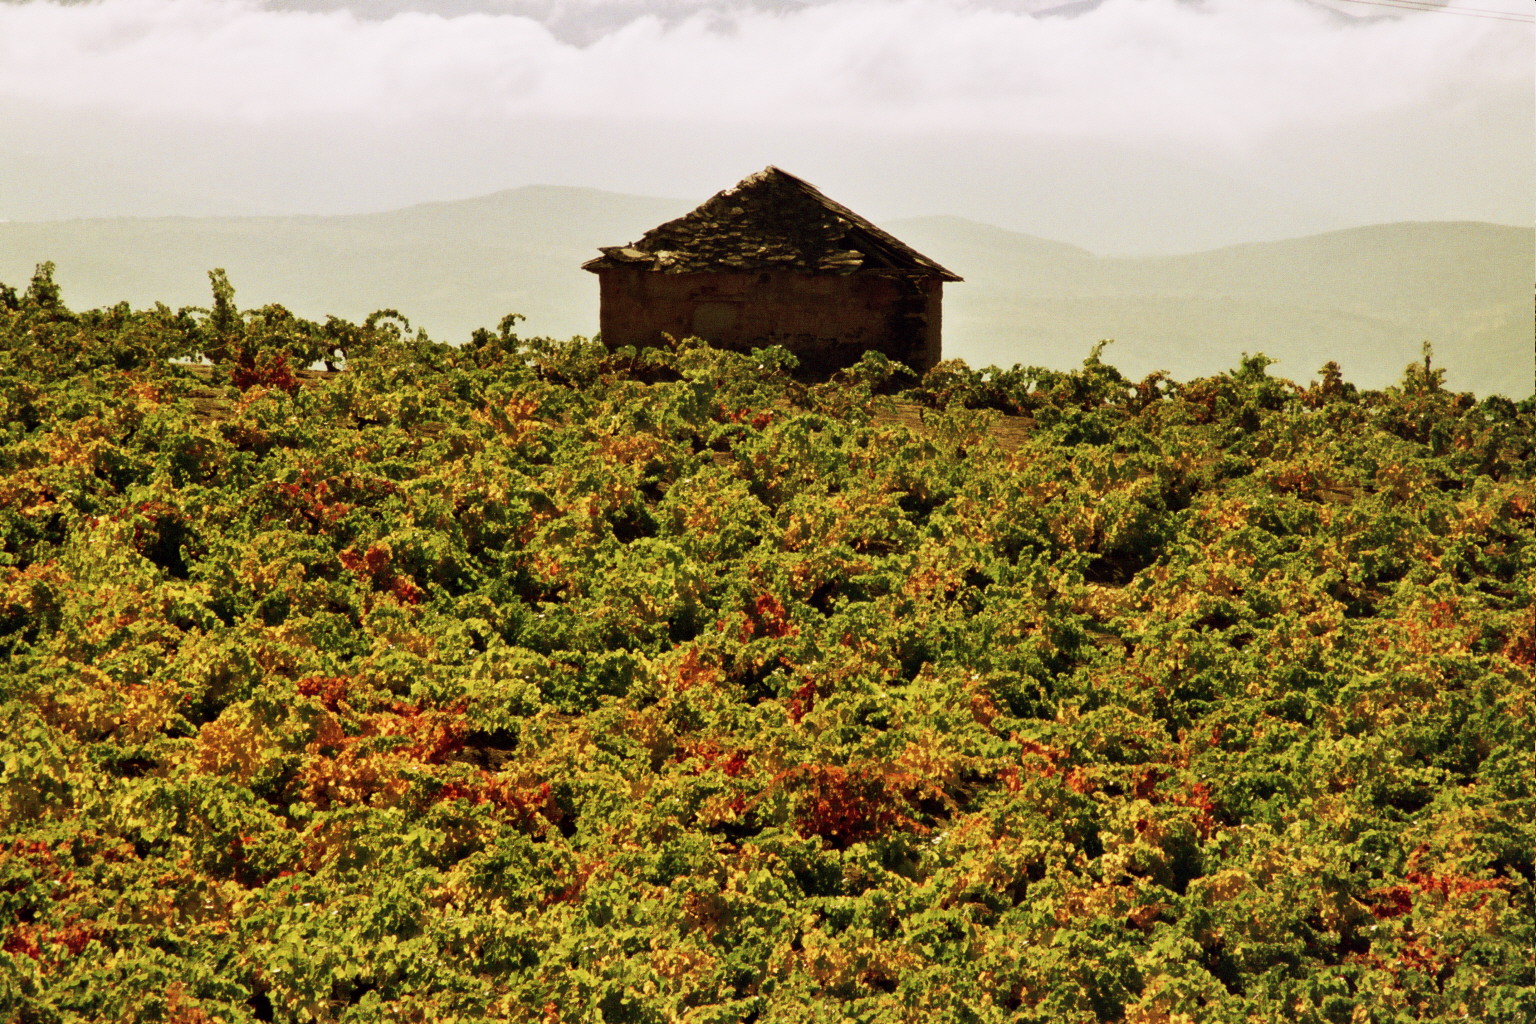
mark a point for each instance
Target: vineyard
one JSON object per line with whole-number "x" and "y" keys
{"x": 532, "y": 682}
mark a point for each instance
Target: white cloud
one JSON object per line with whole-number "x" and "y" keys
{"x": 1136, "y": 125}
{"x": 1223, "y": 73}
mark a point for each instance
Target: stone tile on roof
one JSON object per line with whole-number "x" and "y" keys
{"x": 771, "y": 220}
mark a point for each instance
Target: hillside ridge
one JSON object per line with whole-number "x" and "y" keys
{"x": 1365, "y": 296}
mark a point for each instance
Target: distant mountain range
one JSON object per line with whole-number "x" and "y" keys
{"x": 1366, "y": 297}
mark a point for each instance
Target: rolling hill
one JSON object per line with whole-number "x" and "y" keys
{"x": 1366, "y": 297}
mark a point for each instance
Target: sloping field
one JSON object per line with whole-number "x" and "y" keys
{"x": 525, "y": 682}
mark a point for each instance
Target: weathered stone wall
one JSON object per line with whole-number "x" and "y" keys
{"x": 827, "y": 320}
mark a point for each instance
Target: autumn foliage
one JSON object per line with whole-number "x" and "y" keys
{"x": 533, "y": 682}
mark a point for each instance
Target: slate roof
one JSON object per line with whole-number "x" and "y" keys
{"x": 771, "y": 220}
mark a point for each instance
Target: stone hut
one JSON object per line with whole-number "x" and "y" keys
{"x": 772, "y": 261}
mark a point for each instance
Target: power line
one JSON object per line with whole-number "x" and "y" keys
{"x": 1442, "y": 8}
{"x": 1448, "y": 9}
{"x": 1465, "y": 12}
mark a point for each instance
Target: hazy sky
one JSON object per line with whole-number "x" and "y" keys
{"x": 1120, "y": 125}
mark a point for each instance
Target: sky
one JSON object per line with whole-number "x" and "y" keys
{"x": 1124, "y": 126}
